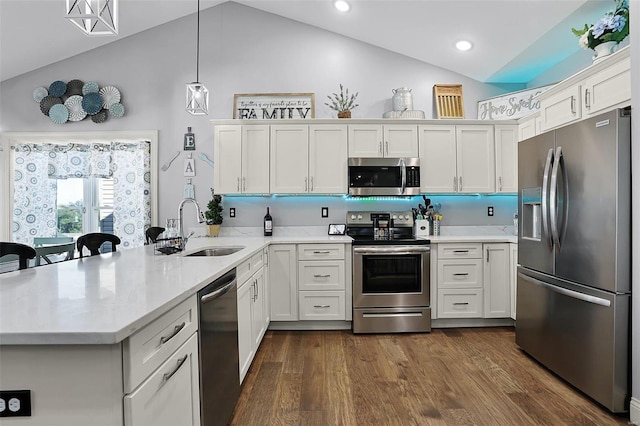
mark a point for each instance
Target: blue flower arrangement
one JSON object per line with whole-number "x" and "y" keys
{"x": 613, "y": 26}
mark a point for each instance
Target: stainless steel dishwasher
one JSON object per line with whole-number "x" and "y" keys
{"x": 219, "y": 360}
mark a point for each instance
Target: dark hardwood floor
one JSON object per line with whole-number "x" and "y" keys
{"x": 469, "y": 376}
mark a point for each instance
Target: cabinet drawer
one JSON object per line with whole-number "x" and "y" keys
{"x": 322, "y": 305}
{"x": 150, "y": 346}
{"x": 170, "y": 395}
{"x": 460, "y": 273}
{"x": 321, "y": 275}
{"x": 320, "y": 251}
{"x": 460, "y": 251}
{"x": 460, "y": 303}
{"x": 249, "y": 267}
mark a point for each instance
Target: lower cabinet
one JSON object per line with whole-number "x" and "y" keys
{"x": 253, "y": 318}
{"x": 283, "y": 282}
{"x": 170, "y": 396}
{"x": 514, "y": 278}
{"x": 474, "y": 280}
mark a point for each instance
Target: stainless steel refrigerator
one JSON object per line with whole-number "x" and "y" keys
{"x": 574, "y": 254}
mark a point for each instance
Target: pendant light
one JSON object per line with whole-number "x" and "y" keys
{"x": 94, "y": 17}
{"x": 197, "y": 94}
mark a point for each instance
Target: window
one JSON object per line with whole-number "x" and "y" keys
{"x": 50, "y": 193}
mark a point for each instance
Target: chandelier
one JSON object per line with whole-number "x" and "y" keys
{"x": 94, "y": 17}
{"x": 197, "y": 94}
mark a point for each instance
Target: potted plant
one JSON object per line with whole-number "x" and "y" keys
{"x": 342, "y": 103}
{"x": 605, "y": 35}
{"x": 213, "y": 215}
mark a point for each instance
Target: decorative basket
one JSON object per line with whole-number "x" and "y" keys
{"x": 344, "y": 114}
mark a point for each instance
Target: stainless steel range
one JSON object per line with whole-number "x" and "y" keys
{"x": 390, "y": 274}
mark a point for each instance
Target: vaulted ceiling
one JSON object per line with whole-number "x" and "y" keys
{"x": 514, "y": 40}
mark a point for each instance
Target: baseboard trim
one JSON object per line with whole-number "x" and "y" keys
{"x": 471, "y": 322}
{"x": 634, "y": 411}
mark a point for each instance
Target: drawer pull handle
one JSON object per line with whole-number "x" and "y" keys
{"x": 460, "y": 303}
{"x": 321, "y": 252}
{"x": 461, "y": 251}
{"x": 181, "y": 361}
{"x": 175, "y": 331}
{"x": 321, "y": 306}
{"x": 461, "y": 274}
{"x": 321, "y": 276}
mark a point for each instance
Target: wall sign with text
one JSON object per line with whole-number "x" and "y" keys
{"x": 274, "y": 106}
{"x": 510, "y": 106}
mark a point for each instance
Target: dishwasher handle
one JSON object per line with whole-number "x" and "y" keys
{"x": 209, "y": 297}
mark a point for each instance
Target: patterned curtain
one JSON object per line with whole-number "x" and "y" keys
{"x": 34, "y": 202}
{"x": 131, "y": 164}
{"x": 38, "y": 166}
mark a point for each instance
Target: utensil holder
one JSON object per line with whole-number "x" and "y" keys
{"x": 436, "y": 227}
{"x": 422, "y": 228}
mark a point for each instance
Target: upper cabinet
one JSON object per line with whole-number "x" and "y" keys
{"x": 457, "y": 158}
{"x": 601, "y": 87}
{"x": 308, "y": 159}
{"x": 245, "y": 150}
{"x": 506, "y": 147}
{"x": 311, "y": 156}
{"x": 377, "y": 140}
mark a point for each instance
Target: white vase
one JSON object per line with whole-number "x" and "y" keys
{"x": 603, "y": 50}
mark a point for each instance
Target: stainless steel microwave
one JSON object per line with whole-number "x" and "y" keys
{"x": 384, "y": 176}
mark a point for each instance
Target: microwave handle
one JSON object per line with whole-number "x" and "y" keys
{"x": 403, "y": 167}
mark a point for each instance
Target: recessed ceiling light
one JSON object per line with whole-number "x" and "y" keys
{"x": 463, "y": 45}
{"x": 342, "y": 5}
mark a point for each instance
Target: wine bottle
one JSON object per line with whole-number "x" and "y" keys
{"x": 268, "y": 224}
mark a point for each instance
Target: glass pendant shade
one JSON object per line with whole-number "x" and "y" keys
{"x": 197, "y": 99}
{"x": 94, "y": 17}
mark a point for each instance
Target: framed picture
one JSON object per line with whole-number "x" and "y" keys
{"x": 274, "y": 106}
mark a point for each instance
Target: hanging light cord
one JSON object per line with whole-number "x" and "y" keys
{"x": 198, "y": 46}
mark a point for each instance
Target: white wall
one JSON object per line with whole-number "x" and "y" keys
{"x": 243, "y": 50}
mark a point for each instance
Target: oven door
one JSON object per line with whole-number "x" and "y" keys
{"x": 391, "y": 276}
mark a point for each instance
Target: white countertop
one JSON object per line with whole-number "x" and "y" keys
{"x": 105, "y": 299}
{"x": 471, "y": 234}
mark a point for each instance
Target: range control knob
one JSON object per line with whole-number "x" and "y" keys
{"x": 394, "y": 217}
{"x": 353, "y": 217}
{"x": 359, "y": 217}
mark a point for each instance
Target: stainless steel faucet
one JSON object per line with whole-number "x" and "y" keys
{"x": 183, "y": 239}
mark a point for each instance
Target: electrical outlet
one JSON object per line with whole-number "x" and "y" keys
{"x": 15, "y": 403}
{"x": 490, "y": 211}
{"x": 232, "y": 212}
{"x": 325, "y": 212}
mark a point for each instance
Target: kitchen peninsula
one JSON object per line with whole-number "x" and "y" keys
{"x": 68, "y": 332}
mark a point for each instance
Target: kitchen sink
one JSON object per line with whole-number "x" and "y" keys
{"x": 216, "y": 251}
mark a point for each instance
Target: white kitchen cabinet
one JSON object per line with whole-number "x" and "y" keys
{"x": 321, "y": 282}
{"x": 513, "y": 279}
{"x": 562, "y": 108}
{"x": 457, "y": 158}
{"x": 328, "y": 159}
{"x": 607, "y": 89}
{"x": 375, "y": 140}
{"x": 242, "y": 159}
{"x": 252, "y": 314}
{"x": 459, "y": 280}
{"x": 170, "y": 396}
{"x": 245, "y": 324}
{"x": 308, "y": 159}
{"x": 600, "y": 87}
{"x": 497, "y": 280}
{"x": 506, "y": 148}
{"x": 289, "y": 159}
{"x": 529, "y": 126}
{"x": 283, "y": 282}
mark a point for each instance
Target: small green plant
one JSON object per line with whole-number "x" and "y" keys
{"x": 213, "y": 214}
{"x": 343, "y": 101}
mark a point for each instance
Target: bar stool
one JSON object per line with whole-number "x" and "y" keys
{"x": 94, "y": 240}
{"x": 152, "y": 233}
{"x": 23, "y": 251}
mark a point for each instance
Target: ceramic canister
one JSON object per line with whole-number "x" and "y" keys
{"x": 402, "y": 99}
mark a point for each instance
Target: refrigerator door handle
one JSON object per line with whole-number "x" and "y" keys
{"x": 558, "y": 164}
{"x": 545, "y": 197}
{"x": 566, "y": 292}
